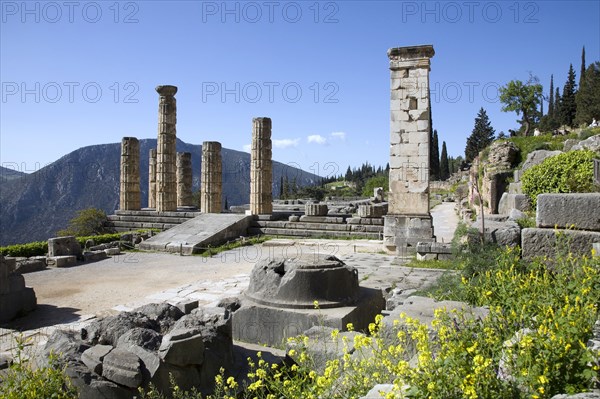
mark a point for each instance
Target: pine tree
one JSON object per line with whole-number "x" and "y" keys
{"x": 348, "y": 176}
{"x": 568, "y": 105}
{"x": 434, "y": 156}
{"x": 481, "y": 137}
{"x": 588, "y": 96}
{"x": 557, "y": 101}
{"x": 444, "y": 166}
{"x": 583, "y": 67}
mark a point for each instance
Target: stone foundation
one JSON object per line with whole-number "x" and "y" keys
{"x": 15, "y": 298}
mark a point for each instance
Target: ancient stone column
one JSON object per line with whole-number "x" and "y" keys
{"x": 152, "y": 179}
{"x": 166, "y": 170}
{"x": 130, "y": 193}
{"x": 211, "y": 184}
{"x": 408, "y": 220}
{"x": 184, "y": 179}
{"x": 261, "y": 168}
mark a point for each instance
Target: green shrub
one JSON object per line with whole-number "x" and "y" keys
{"x": 22, "y": 381}
{"x": 38, "y": 248}
{"x": 88, "y": 222}
{"x": 571, "y": 172}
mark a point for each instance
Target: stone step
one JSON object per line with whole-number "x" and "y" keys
{"x": 326, "y": 227}
{"x": 149, "y": 219}
{"x": 311, "y": 233}
{"x": 140, "y": 225}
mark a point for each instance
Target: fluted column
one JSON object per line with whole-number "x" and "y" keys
{"x": 130, "y": 193}
{"x": 184, "y": 179}
{"x": 152, "y": 179}
{"x": 261, "y": 169}
{"x": 166, "y": 179}
{"x": 211, "y": 185}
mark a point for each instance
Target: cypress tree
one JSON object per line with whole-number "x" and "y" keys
{"x": 557, "y": 101}
{"x": 588, "y": 96}
{"x": 568, "y": 106}
{"x": 482, "y": 136}
{"x": 444, "y": 166}
{"x": 434, "y": 157}
{"x": 583, "y": 67}
{"x": 551, "y": 98}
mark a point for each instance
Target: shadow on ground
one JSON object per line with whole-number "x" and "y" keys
{"x": 44, "y": 316}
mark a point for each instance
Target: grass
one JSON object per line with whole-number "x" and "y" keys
{"x": 210, "y": 251}
{"x": 544, "y": 142}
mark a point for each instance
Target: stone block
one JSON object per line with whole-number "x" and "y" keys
{"x": 182, "y": 347}
{"x": 94, "y": 256}
{"x": 261, "y": 324}
{"x": 426, "y": 256}
{"x": 564, "y": 211}
{"x": 515, "y": 188}
{"x": 62, "y": 261}
{"x": 122, "y": 367}
{"x": 112, "y": 251}
{"x": 545, "y": 242}
{"x": 316, "y": 209}
{"x": 596, "y": 247}
{"x": 62, "y": 246}
{"x": 501, "y": 233}
{"x": 370, "y": 211}
{"x": 30, "y": 265}
{"x": 379, "y": 391}
{"x": 94, "y": 357}
{"x": 513, "y": 201}
{"x": 187, "y": 306}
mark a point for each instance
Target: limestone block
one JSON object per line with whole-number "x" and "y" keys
{"x": 370, "y": 211}
{"x": 94, "y": 356}
{"x": 537, "y": 157}
{"x": 30, "y": 265}
{"x": 578, "y": 210}
{"x": 122, "y": 367}
{"x": 379, "y": 391}
{"x": 182, "y": 347}
{"x": 513, "y": 201}
{"x": 545, "y": 242}
{"x": 94, "y": 256}
{"x": 502, "y": 233}
{"x": 62, "y": 261}
{"x": 316, "y": 209}
{"x": 60, "y": 246}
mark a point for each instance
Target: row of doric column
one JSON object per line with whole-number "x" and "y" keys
{"x": 170, "y": 172}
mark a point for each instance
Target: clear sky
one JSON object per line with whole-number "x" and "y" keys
{"x": 81, "y": 73}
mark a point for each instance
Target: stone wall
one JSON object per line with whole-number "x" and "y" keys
{"x": 15, "y": 298}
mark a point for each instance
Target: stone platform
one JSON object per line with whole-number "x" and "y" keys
{"x": 123, "y": 221}
{"x": 193, "y": 236}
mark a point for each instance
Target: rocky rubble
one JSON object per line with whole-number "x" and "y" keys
{"x": 113, "y": 356}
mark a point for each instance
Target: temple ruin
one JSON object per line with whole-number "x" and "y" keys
{"x": 211, "y": 186}
{"x": 261, "y": 168}
{"x": 130, "y": 195}
{"x": 166, "y": 152}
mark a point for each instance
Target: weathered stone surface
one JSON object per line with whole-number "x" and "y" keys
{"x": 433, "y": 250}
{"x": 61, "y": 261}
{"x": 591, "y": 143}
{"x": 166, "y": 170}
{"x": 261, "y": 168}
{"x": 402, "y": 233}
{"x": 537, "y": 157}
{"x": 502, "y": 233}
{"x": 371, "y": 211}
{"x": 315, "y": 209}
{"x": 423, "y": 309}
{"x": 184, "y": 179}
{"x": 94, "y": 357}
{"x": 122, "y": 367}
{"x": 15, "y": 298}
{"x": 182, "y": 347}
{"x": 298, "y": 282}
{"x": 211, "y": 186}
{"x": 294, "y": 218}
{"x": 409, "y": 149}
{"x": 30, "y": 265}
{"x": 513, "y": 201}
{"x": 63, "y": 246}
{"x": 163, "y": 313}
{"x": 130, "y": 191}
{"x": 564, "y": 211}
{"x": 107, "y": 331}
{"x": 152, "y": 179}
{"x": 544, "y": 242}
{"x": 516, "y": 214}
{"x": 94, "y": 256}
{"x": 112, "y": 251}
{"x": 586, "y": 395}
{"x": 569, "y": 143}
{"x": 502, "y": 156}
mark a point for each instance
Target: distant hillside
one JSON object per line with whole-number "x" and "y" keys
{"x": 9, "y": 174}
{"x": 35, "y": 206}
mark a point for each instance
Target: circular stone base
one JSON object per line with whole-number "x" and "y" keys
{"x": 298, "y": 282}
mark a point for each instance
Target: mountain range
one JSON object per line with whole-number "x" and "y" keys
{"x": 33, "y": 207}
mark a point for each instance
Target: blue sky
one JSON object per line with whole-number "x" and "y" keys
{"x": 80, "y": 73}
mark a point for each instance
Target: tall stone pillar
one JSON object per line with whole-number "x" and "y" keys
{"x": 408, "y": 220}
{"x": 130, "y": 193}
{"x": 211, "y": 184}
{"x": 184, "y": 179}
{"x": 166, "y": 170}
{"x": 261, "y": 168}
{"x": 152, "y": 179}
